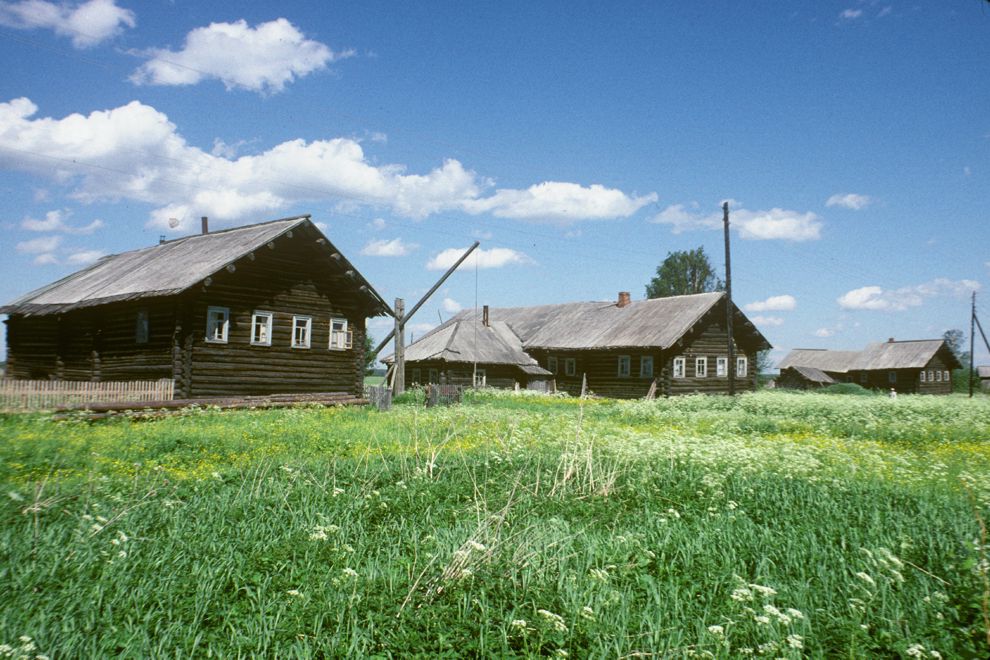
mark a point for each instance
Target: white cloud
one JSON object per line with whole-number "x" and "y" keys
{"x": 84, "y": 257}
{"x": 767, "y": 320}
{"x": 561, "y": 202}
{"x": 417, "y": 330}
{"x": 55, "y": 221}
{"x": 494, "y": 258}
{"x": 824, "y": 332}
{"x": 850, "y": 14}
{"x": 451, "y": 306}
{"x": 382, "y": 248}
{"x": 877, "y": 298}
{"x": 134, "y": 152}
{"x": 775, "y": 224}
{"x": 781, "y": 303}
{"x": 378, "y": 223}
{"x": 851, "y": 201}
{"x": 87, "y": 24}
{"x": 260, "y": 59}
{"x": 39, "y": 245}
{"x": 45, "y": 259}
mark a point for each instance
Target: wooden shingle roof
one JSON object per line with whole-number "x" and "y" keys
{"x": 912, "y": 354}
{"x": 170, "y": 268}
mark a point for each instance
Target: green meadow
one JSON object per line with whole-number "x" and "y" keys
{"x": 769, "y": 525}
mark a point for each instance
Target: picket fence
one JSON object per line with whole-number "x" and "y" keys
{"x": 27, "y": 395}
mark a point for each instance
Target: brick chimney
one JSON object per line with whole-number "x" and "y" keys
{"x": 484, "y": 316}
{"x": 623, "y": 299}
{"x": 890, "y": 341}
{"x": 205, "y": 224}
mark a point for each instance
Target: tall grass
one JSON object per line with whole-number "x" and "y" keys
{"x": 769, "y": 525}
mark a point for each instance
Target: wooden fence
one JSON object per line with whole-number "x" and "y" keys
{"x": 24, "y": 395}
{"x": 379, "y": 396}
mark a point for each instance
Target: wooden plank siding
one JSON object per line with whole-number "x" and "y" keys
{"x": 504, "y": 376}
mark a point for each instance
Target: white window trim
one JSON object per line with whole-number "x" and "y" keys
{"x": 721, "y": 367}
{"x": 922, "y": 375}
{"x": 947, "y": 377}
{"x": 570, "y": 367}
{"x": 480, "y": 378}
{"x": 938, "y": 376}
{"x": 701, "y": 367}
{"x": 255, "y": 317}
{"x": 309, "y": 330}
{"x": 742, "y": 367}
{"x": 340, "y": 340}
{"x": 627, "y": 361}
{"x": 224, "y": 325}
{"x": 643, "y": 361}
{"x": 679, "y": 367}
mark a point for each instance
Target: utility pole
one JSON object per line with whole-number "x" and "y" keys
{"x": 972, "y": 336}
{"x": 728, "y": 304}
{"x": 399, "y": 377}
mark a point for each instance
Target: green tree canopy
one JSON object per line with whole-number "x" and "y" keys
{"x": 682, "y": 273}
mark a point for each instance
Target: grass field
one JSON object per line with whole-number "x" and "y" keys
{"x": 772, "y": 525}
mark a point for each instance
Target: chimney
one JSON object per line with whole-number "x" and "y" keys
{"x": 206, "y": 224}
{"x": 161, "y": 238}
{"x": 623, "y": 299}
{"x": 890, "y": 341}
{"x": 484, "y": 315}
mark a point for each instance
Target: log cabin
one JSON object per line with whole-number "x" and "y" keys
{"x": 270, "y": 308}
{"x": 621, "y": 349}
{"x": 922, "y": 366}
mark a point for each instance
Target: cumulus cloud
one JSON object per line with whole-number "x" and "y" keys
{"x": 878, "y": 298}
{"x": 84, "y": 257}
{"x": 55, "y": 221}
{"x": 560, "y": 202}
{"x": 850, "y": 14}
{"x": 767, "y": 320}
{"x": 39, "y": 245}
{"x": 87, "y": 24}
{"x": 824, "y": 332}
{"x": 259, "y": 59}
{"x": 382, "y": 248}
{"x": 781, "y": 303}
{"x": 480, "y": 258}
{"x": 774, "y": 224}
{"x": 849, "y": 201}
{"x": 134, "y": 152}
{"x": 451, "y": 306}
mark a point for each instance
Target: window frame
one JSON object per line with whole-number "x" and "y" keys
{"x": 142, "y": 326}
{"x": 722, "y": 366}
{"x": 570, "y": 367}
{"x": 742, "y": 366}
{"x": 552, "y": 364}
{"x": 223, "y": 326}
{"x": 947, "y": 376}
{"x": 255, "y": 316}
{"x": 433, "y": 377}
{"x": 892, "y": 377}
{"x": 701, "y": 366}
{"x": 643, "y": 361}
{"x": 624, "y": 360}
{"x": 348, "y": 335}
{"x": 417, "y": 376}
{"x": 296, "y": 318}
{"x": 679, "y": 365}
{"x": 480, "y": 377}
{"x": 922, "y": 376}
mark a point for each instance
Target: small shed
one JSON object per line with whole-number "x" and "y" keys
{"x": 803, "y": 378}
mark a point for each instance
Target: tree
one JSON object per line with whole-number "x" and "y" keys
{"x": 955, "y": 340}
{"x": 684, "y": 272}
{"x": 369, "y": 359}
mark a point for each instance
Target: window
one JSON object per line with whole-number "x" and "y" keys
{"x": 722, "y": 367}
{"x": 891, "y": 376}
{"x": 678, "y": 367}
{"x": 479, "y": 377}
{"x": 646, "y": 366}
{"x": 416, "y": 376}
{"x": 141, "y": 327}
{"x": 261, "y": 329}
{"x": 701, "y": 367}
{"x": 922, "y": 376}
{"x": 624, "y": 362}
{"x": 863, "y": 377}
{"x": 552, "y": 365}
{"x": 938, "y": 376}
{"x": 340, "y": 337}
{"x": 931, "y": 376}
{"x": 742, "y": 367}
{"x": 302, "y": 327}
{"x": 217, "y": 324}
{"x": 947, "y": 376}
{"x": 434, "y": 377}
{"x": 570, "y": 367}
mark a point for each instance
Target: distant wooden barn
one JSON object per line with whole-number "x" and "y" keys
{"x": 621, "y": 349}
{"x": 983, "y": 373}
{"x": 917, "y": 366}
{"x": 262, "y": 309}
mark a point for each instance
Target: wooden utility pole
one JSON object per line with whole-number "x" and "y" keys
{"x": 728, "y": 304}
{"x": 972, "y": 336}
{"x": 400, "y": 349}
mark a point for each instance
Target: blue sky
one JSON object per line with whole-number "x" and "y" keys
{"x": 579, "y": 142}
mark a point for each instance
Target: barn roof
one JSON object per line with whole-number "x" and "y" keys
{"x": 814, "y": 375}
{"x": 654, "y": 323}
{"x": 983, "y": 371}
{"x": 170, "y": 268}
{"x": 911, "y": 354}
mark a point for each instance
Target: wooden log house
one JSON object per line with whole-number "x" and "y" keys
{"x": 922, "y": 366}
{"x": 622, "y": 349}
{"x": 271, "y": 308}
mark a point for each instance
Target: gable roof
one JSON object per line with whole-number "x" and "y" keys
{"x": 654, "y": 323}
{"x": 814, "y": 375}
{"x": 910, "y": 354}
{"x": 983, "y": 371}
{"x": 170, "y": 268}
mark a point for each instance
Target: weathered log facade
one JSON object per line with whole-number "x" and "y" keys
{"x": 622, "y": 350}
{"x": 278, "y": 292}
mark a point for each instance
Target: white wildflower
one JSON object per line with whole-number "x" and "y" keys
{"x": 599, "y": 574}
{"x": 795, "y": 641}
{"x": 587, "y": 613}
{"x": 796, "y": 614}
{"x": 915, "y": 651}
{"x": 560, "y": 653}
{"x": 716, "y": 630}
{"x": 350, "y": 572}
{"x": 762, "y": 620}
{"x": 295, "y": 593}
{"x": 742, "y": 594}
{"x": 338, "y": 491}
{"x": 519, "y": 624}
{"x": 764, "y": 591}
{"x": 554, "y": 620}
{"x": 865, "y": 577}
{"x": 476, "y": 546}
